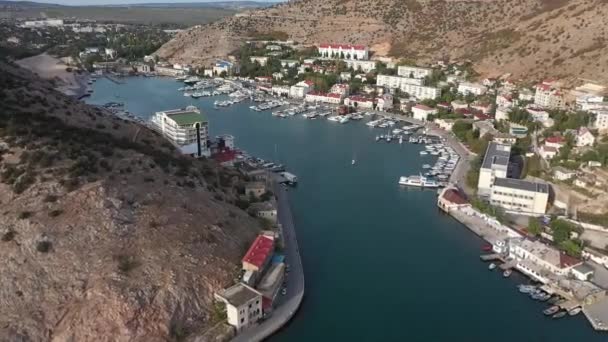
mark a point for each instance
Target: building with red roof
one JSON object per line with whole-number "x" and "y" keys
{"x": 452, "y": 198}
{"x": 259, "y": 254}
{"x": 318, "y": 96}
{"x": 344, "y": 51}
{"x": 555, "y": 142}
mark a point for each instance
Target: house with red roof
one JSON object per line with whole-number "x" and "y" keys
{"x": 452, "y": 198}
{"x": 344, "y": 51}
{"x": 555, "y": 142}
{"x": 547, "y": 152}
{"x": 549, "y": 95}
{"x": 360, "y": 102}
{"x": 321, "y": 97}
{"x": 484, "y": 108}
{"x": 259, "y": 254}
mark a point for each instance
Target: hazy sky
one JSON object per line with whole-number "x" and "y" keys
{"x": 122, "y": 2}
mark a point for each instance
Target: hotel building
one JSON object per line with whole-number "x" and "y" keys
{"x": 186, "y": 128}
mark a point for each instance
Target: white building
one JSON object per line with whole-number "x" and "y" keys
{"x": 584, "y": 137}
{"x": 168, "y": 71}
{"x": 562, "y": 174}
{"x": 539, "y": 115}
{"x": 243, "y": 305}
{"x": 289, "y": 63}
{"x": 548, "y": 152}
{"x": 539, "y": 260}
{"x": 502, "y": 113}
{"x": 548, "y": 95}
{"x": 320, "y": 97}
{"x": 472, "y": 88}
{"x": 360, "y": 102}
{"x": 601, "y": 120}
{"x": 395, "y": 82}
{"x": 344, "y": 51}
{"x": 43, "y": 23}
{"x": 340, "y": 88}
{"x": 385, "y": 102}
{"x": 261, "y": 60}
{"x": 504, "y": 101}
{"x": 413, "y": 72}
{"x": 495, "y": 165}
{"x": 300, "y": 89}
{"x": 223, "y": 66}
{"x": 422, "y": 112}
{"x": 445, "y": 124}
{"x": 421, "y": 92}
{"x": 186, "y": 128}
{"x": 281, "y": 90}
{"x": 360, "y": 65}
{"x": 520, "y": 195}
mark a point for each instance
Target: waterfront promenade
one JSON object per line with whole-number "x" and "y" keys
{"x": 288, "y": 304}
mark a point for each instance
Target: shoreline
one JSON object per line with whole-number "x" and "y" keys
{"x": 53, "y": 68}
{"x": 284, "y": 313}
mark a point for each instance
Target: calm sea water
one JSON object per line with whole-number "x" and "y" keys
{"x": 381, "y": 262}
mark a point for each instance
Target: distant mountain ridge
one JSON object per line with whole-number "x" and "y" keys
{"x": 529, "y": 38}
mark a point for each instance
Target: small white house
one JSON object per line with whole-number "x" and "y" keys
{"x": 421, "y": 112}
{"x": 584, "y": 137}
{"x": 562, "y": 174}
{"x": 243, "y": 305}
{"x": 583, "y": 272}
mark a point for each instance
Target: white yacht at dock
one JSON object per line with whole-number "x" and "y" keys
{"x": 418, "y": 181}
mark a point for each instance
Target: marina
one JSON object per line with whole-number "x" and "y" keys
{"x": 335, "y": 204}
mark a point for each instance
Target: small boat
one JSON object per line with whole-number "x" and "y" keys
{"x": 486, "y": 248}
{"x": 526, "y": 288}
{"x": 553, "y": 300}
{"x": 426, "y": 166}
{"x": 377, "y": 138}
{"x": 423, "y": 153}
{"x": 552, "y": 310}
{"x": 400, "y": 139}
{"x": 353, "y": 162}
{"x": 575, "y": 311}
{"x": 507, "y": 273}
{"x": 559, "y": 315}
{"x": 492, "y": 266}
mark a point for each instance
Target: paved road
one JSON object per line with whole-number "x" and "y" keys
{"x": 289, "y": 304}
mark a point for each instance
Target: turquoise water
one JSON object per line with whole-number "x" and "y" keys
{"x": 381, "y": 262}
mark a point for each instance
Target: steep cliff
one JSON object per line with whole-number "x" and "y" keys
{"x": 106, "y": 234}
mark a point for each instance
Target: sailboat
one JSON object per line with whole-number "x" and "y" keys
{"x": 400, "y": 139}
{"x": 354, "y": 161}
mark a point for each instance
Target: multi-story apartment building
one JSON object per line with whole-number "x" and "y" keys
{"x": 548, "y": 95}
{"x": 186, "y": 128}
{"x": 395, "y": 82}
{"x": 413, "y": 72}
{"x": 421, "y": 92}
{"x": 472, "y": 88}
{"x": 520, "y": 195}
{"x": 243, "y": 305}
{"x": 495, "y": 165}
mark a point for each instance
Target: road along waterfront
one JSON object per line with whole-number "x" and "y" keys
{"x": 381, "y": 262}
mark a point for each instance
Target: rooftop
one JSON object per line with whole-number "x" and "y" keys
{"x": 522, "y": 185}
{"x": 584, "y": 268}
{"x": 187, "y": 116}
{"x": 261, "y": 206}
{"x": 238, "y": 294}
{"x": 496, "y": 154}
{"x": 259, "y": 251}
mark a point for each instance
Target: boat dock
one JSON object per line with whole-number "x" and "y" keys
{"x": 508, "y": 265}
{"x": 491, "y": 257}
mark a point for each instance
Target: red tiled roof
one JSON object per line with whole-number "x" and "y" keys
{"x": 343, "y": 46}
{"x": 555, "y": 140}
{"x": 423, "y": 107}
{"x": 566, "y": 261}
{"x": 480, "y": 116}
{"x": 454, "y": 196}
{"x": 359, "y": 99}
{"x": 444, "y": 104}
{"x": 543, "y": 87}
{"x": 463, "y": 111}
{"x": 309, "y": 82}
{"x": 260, "y": 250}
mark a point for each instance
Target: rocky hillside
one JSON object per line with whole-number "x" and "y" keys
{"x": 529, "y": 38}
{"x": 106, "y": 234}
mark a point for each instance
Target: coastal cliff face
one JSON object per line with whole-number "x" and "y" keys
{"x": 529, "y": 38}
{"x": 106, "y": 234}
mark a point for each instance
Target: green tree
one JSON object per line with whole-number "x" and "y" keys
{"x": 534, "y": 226}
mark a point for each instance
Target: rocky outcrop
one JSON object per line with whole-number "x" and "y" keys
{"x": 106, "y": 234}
